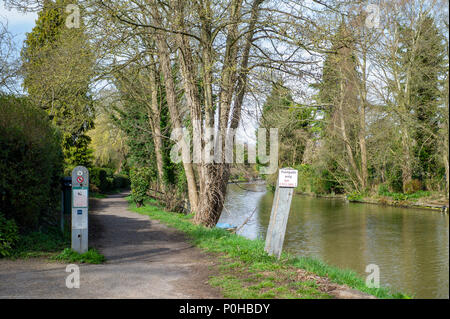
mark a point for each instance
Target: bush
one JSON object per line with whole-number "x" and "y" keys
{"x": 413, "y": 186}
{"x": 121, "y": 181}
{"x": 355, "y": 196}
{"x": 383, "y": 190}
{"x": 31, "y": 164}
{"x": 140, "y": 182}
{"x": 9, "y": 235}
{"x": 104, "y": 180}
{"x": 98, "y": 176}
{"x": 399, "y": 196}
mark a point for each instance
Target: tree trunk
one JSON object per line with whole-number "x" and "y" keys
{"x": 406, "y": 160}
{"x": 362, "y": 145}
{"x": 155, "y": 120}
{"x": 447, "y": 172}
{"x": 164, "y": 56}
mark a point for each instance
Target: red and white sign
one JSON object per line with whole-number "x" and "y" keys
{"x": 80, "y": 179}
{"x": 287, "y": 178}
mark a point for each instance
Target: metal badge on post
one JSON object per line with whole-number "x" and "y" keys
{"x": 287, "y": 181}
{"x": 80, "y": 207}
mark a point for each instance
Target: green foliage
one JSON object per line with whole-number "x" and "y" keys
{"x": 58, "y": 66}
{"x": 383, "y": 190}
{"x": 103, "y": 179}
{"x": 41, "y": 243}
{"x": 30, "y": 165}
{"x": 121, "y": 181}
{"x": 76, "y": 150}
{"x": 355, "y": 196}
{"x": 428, "y": 66}
{"x": 314, "y": 179}
{"x": 413, "y": 186}
{"x": 92, "y": 256}
{"x": 294, "y": 122}
{"x": 140, "y": 182}
{"x": 9, "y": 235}
{"x": 133, "y": 118}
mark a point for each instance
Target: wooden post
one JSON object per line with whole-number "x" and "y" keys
{"x": 287, "y": 181}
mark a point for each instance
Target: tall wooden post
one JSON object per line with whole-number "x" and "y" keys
{"x": 287, "y": 181}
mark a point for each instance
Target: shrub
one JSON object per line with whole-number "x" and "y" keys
{"x": 140, "y": 182}
{"x": 413, "y": 186}
{"x": 98, "y": 176}
{"x": 121, "y": 181}
{"x": 383, "y": 190}
{"x": 399, "y": 196}
{"x": 31, "y": 164}
{"x": 9, "y": 235}
{"x": 355, "y": 196}
{"x": 104, "y": 180}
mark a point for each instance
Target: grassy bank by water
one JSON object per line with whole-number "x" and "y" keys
{"x": 246, "y": 271}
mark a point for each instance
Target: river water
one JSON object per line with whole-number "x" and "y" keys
{"x": 410, "y": 246}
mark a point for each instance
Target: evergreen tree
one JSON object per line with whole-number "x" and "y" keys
{"x": 294, "y": 122}
{"x": 427, "y": 67}
{"x": 58, "y": 67}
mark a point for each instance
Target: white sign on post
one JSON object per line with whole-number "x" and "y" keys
{"x": 287, "y": 181}
{"x": 287, "y": 178}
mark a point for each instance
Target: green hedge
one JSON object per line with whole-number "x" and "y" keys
{"x": 103, "y": 179}
{"x": 31, "y": 164}
{"x": 9, "y": 235}
{"x": 140, "y": 183}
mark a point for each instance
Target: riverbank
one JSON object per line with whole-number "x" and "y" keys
{"x": 435, "y": 202}
{"x": 246, "y": 271}
{"x": 421, "y": 199}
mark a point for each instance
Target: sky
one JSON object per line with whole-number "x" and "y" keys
{"x": 18, "y": 23}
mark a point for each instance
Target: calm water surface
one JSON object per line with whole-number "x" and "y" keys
{"x": 410, "y": 246}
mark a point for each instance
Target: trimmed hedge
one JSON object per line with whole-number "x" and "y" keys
{"x": 31, "y": 164}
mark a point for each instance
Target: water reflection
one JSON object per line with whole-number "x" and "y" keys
{"x": 410, "y": 246}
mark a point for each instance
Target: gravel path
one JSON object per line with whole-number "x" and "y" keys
{"x": 145, "y": 259}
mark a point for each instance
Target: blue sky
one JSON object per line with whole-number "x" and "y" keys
{"x": 18, "y": 23}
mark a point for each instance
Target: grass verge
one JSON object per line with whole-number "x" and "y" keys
{"x": 40, "y": 244}
{"x": 92, "y": 256}
{"x": 245, "y": 269}
{"x": 53, "y": 245}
